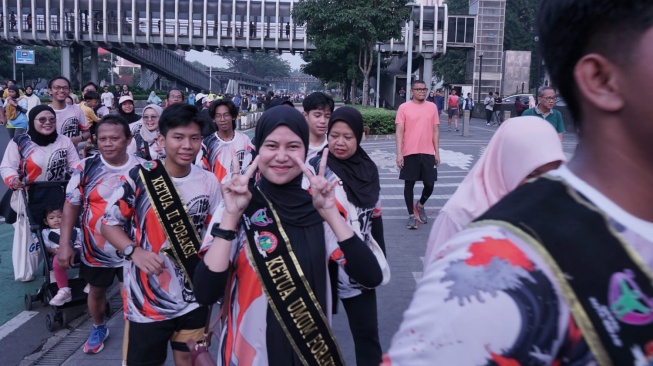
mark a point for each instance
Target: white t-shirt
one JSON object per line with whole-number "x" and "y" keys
{"x": 107, "y": 99}
{"x": 71, "y": 121}
{"x": 491, "y": 297}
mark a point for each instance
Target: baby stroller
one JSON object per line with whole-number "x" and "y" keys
{"x": 39, "y": 196}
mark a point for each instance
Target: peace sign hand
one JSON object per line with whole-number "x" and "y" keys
{"x": 236, "y": 192}
{"x": 322, "y": 191}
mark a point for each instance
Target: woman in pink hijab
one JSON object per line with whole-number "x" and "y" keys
{"x": 523, "y": 148}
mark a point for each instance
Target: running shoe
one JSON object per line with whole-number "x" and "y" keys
{"x": 63, "y": 296}
{"x": 420, "y": 214}
{"x": 95, "y": 342}
{"x": 412, "y": 223}
{"x": 488, "y": 123}
{"x": 457, "y": 130}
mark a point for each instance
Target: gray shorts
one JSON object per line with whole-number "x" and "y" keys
{"x": 453, "y": 112}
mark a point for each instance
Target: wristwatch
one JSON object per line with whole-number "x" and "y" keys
{"x": 129, "y": 251}
{"x": 227, "y": 235}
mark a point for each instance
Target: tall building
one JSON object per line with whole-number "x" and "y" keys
{"x": 430, "y": 2}
{"x": 490, "y": 22}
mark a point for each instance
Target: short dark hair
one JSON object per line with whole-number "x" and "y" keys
{"x": 233, "y": 110}
{"x": 50, "y": 209}
{"x": 178, "y": 115}
{"x": 90, "y": 95}
{"x": 58, "y": 78}
{"x": 490, "y": 94}
{"x": 318, "y": 100}
{"x": 181, "y": 91}
{"x": 571, "y": 29}
{"x": 412, "y": 85}
{"x": 116, "y": 120}
{"x": 89, "y": 83}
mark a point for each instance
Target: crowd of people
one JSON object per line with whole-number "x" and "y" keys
{"x": 534, "y": 260}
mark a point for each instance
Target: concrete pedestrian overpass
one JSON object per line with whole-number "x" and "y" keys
{"x": 148, "y": 32}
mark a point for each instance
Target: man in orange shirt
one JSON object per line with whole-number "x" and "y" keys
{"x": 417, "y": 150}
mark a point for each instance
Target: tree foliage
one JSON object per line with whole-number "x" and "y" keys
{"x": 259, "y": 64}
{"x": 48, "y": 61}
{"x": 348, "y": 28}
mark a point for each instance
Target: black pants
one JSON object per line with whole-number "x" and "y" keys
{"x": 362, "y": 314}
{"x": 488, "y": 115}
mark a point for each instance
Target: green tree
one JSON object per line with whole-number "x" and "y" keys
{"x": 365, "y": 22}
{"x": 259, "y": 64}
{"x": 48, "y": 64}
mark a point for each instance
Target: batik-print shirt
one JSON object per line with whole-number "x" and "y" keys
{"x": 24, "y": 158}
{"x": 71, "y": 121}
{"x": 217, "y": 154}
{"x": 168, "y": 295}
{"x": 490, "y": 299}
{"x": 347, "y": 287}
{"x": 92, "y": 185}
{"x": 243, "y": 338}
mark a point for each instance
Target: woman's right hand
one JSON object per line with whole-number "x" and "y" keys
{"x": 17, "y": 184}
{"x": 235, "y": 192}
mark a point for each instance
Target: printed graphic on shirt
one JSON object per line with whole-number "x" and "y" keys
{"x": 57, "y": 165}
{"x": 167, "y": 295}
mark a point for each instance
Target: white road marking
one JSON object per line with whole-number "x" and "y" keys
{"x": 16, "y": 322}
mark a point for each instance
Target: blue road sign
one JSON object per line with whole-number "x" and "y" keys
{"x": 25, "y": 57}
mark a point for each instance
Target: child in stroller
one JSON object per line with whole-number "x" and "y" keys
{"x": 52, "y": 221}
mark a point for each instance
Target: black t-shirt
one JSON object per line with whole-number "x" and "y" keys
{"x": 497, "y": 104}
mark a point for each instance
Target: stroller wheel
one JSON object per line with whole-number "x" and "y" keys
{"x": 49, "y": 322}
{"x": 28, "y": 302}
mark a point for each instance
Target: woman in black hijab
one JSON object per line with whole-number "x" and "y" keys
{"x": 251, "y": 331}
{"x": 357, "y": 193}
{"x": 126, "y": 109}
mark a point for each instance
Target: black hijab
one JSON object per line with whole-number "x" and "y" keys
{"x": 37, "y": 137}
{"x": 293, "y": 204}
{"x": 130, "y": 117}
{"x": 301, "y": 222}
{"x": 358, "y": 173}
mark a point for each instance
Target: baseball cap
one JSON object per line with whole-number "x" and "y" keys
{"x": 125, "y": 98}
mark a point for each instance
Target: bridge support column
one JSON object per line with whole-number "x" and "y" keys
{"x": 65, "y": 62}
{"x": 427, "y": 70}
{"x": 94, "y": 66}
{"x": 77, "y": 58}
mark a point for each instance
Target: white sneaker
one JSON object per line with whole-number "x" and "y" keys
{"x": 87, "y": 288}
{"x": 63, "y": 296}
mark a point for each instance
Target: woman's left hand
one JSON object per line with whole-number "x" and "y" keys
{"x": 322, "y": 191}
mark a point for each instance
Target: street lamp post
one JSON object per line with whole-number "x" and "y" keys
{"x": 378, "y": 72}
{"x": 480, "y": 75}
{"x": 409, "y": 66}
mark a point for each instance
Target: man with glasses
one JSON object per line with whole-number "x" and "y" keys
{"x": 218, "y": 147}
{"x": 546, "y": 97}
{"x": 71, "y": 121}
{"x": 418, "y": 149}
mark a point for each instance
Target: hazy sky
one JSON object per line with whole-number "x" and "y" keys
{"x": 217, "y": 61}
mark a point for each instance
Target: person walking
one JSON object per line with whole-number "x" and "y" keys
{"x": 498, "y": 104}
{"x": 453, "y": 104}
{"x": 15, "y": 111}
{"x": 489, "y": 107}
{"x": 418, "y": 155}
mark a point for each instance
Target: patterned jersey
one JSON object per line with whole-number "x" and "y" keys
{"x": 168, "y": 295}
{"x": 71, "y": 121}
{"x": 135, "y": 127}
{"x": 137, "y": 147}
{"x": 243, "y": 342}
{"x": 314, "y": 150}
{"x": 490, "y": 299}
{"x": 38, "y": 163}
{"x": 217, "y": 154}
{"x": 361, "y": 223}
{"x": 91, "y": 186}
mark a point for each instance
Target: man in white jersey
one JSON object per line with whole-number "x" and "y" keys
{"x": 90, "y": 187}
{"x": 559, "y": 271}
{"x": 107, "y": 98}
{"x": 219, "y": 147}
{"x": 317, "y": 111}
{"x": 71, "y": 121}
{"x": 160, "y": 305}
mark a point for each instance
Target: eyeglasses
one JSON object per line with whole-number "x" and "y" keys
{"x": 44, "y": 120}
{"x": 421, "y": 90}
{"x": 549, "y": 99}
{"x": 59, "y": 87}
{"x": 223, "y": 116}
{"x": 150, "y": 118}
